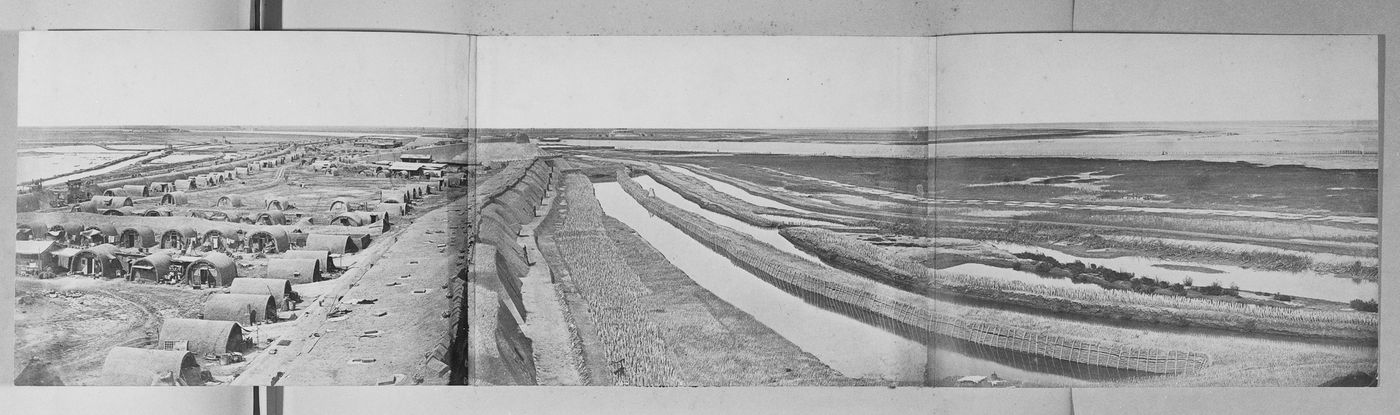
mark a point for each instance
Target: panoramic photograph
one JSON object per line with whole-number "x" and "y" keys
{"x": 980, "y": 211}
{"x": 217, "y": 208}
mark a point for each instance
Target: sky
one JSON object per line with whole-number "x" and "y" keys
{"x": 704, "y": 82}
{"x": 1044, "y": 78}
{"x": 243, "y": 78}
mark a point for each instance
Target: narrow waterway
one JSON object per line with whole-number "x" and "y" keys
{"x": 850, "y": 346}
{"x": 1301, "y": 284}
{"x": 768, "y": 236}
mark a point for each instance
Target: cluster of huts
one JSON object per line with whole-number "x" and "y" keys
{"x": 178, "y": 254}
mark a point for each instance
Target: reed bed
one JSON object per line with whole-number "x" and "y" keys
{"x": 633, "y": 346}
{"x": 708, "y": 197}
{"x": 1258, "y": 228}
{"x": 912, "y": 315}
{"x": 881, "y": 265}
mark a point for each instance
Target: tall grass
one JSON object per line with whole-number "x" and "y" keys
{"x": 1087, "y": 301}
{"x": 901, "y": 311}
{"x": 1244, "y": 227}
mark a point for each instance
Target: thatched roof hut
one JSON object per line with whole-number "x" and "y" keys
{"x": 245, "y": 309}
{"x": 204, "y": 336}
{"x": 229, "y": 201}
{"x": 136, "y": 236}
{"x": 268, "y": 237}
{"x": 151, "y": 267}
{"x": 320, "y": 255}
{"x": 335, "y": 244}
{"x": 130, "y": 366}
{"x": 213, "y": 269}
{"x": 176, "y": 198}
{"x": 296, "y": 270}
{"x": 279, "y": 289}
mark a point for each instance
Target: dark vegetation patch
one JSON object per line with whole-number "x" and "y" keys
{"x": 1186, "y": 183}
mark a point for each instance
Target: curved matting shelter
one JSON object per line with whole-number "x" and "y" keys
{"x": 112, "y": 201}
{"x": 268, "y": 239}
{"x": 214, "y": 269}
{"x": 271, "y": 217}
{"x": 151, "y": 267}
{"x": 279, "y": 289}
{"x": 245, "y": 309}
{"x": 277, "y": 203}
{"x": 177, "y": 237}
{"x": 100, "y": 260}
{"x": 294, "y": 270}
{"x": 234, "y": 201}
{"x": 335, "y": 244}
{"x": 130, "y": 366}
{"x": 340, "y": 204}
{"x": 204, "y": 336}
{"x": 176, "y": 198}
{"x": 136, "y": 237}
{"x": 320, "y": 255}
{"x": 392, "y": 196}
{"x": 219, "y": 236}
{"x": 353, "y": 219}
{"x": 85, "y": 207}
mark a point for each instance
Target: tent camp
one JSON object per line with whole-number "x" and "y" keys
{"x": 100, "y": 260}
{"x": 244, "y": 309}
{"x": 295, "y": 270}
{"x": 203, "y": 336}
{"x": 335, "y": 244}
{"x": 151, "y": 267}
{"x": 130, "y": 366}
{"x": 136, "y": 237}
{"x": 177, "y": 198}
{"x": 177, "y": 237}
{"x": 214, "y": 269}
{"x": 268, "y": 238}
{"x": 279, "y": 289}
